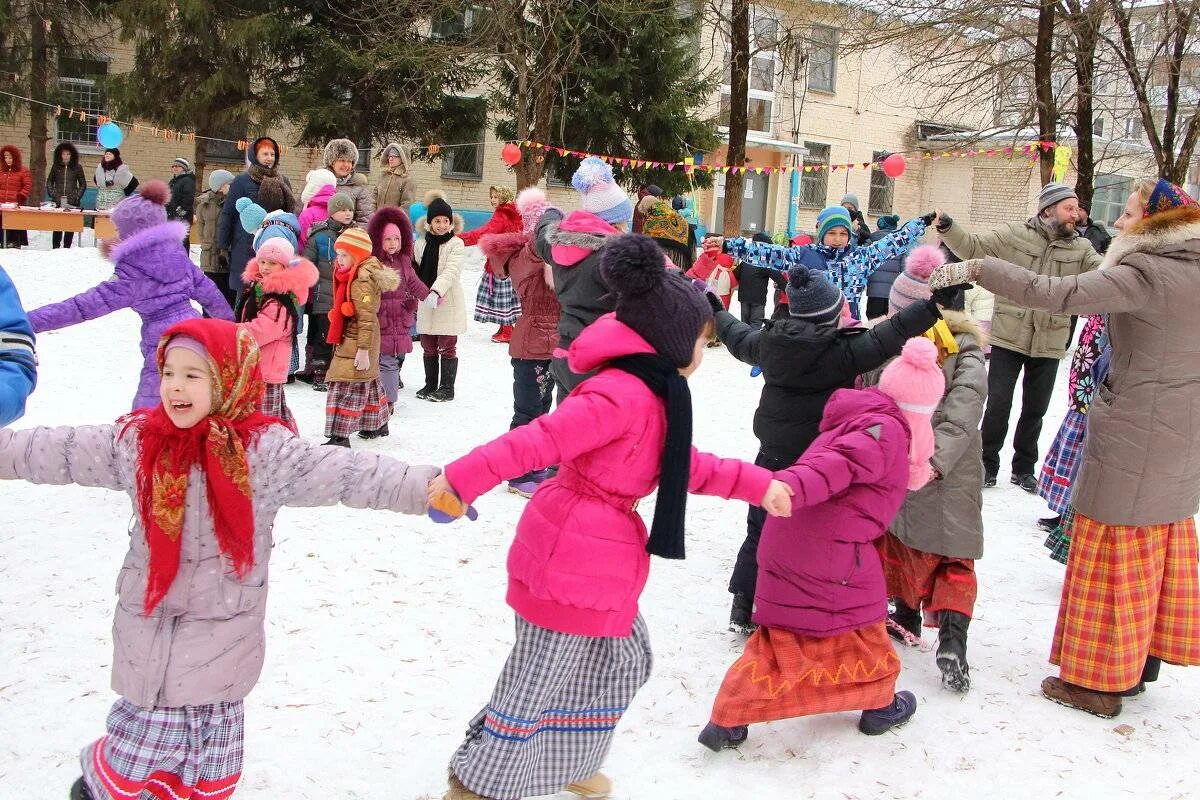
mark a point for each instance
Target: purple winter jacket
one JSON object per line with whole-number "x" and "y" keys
{"x": 398, "y": 308}
{"x": 154, "y": 276}
{"x": 818, "y": 571}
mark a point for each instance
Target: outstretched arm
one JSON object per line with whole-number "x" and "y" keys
{"x": 104, "y": 298}
{"x": 88, "y": 455}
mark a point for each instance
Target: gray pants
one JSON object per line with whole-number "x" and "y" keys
{"x": 753, "y": 314}
{"x": 389, "y": 375}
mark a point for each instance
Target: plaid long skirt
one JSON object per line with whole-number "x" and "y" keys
{"x": 274, "y": 404}
{"x": 1129, "y": 592}
{"x": 782, "y": 674}
{"x": 167, "y": 753}
{"x": 551, "y": 717}
{"x": 928, "y": 581}
{"x": 496, "y": 301}
{"x": 1062, "y": 463}
{"x": 353, "y": 406}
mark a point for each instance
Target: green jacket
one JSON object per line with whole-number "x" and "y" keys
{"x": 1024, "y": 330}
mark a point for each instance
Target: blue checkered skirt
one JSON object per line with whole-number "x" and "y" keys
{"x": 1062, "y": 462}
{"x": 496, "y": 301}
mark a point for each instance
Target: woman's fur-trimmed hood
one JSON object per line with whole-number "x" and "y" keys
{"x": 405, "y": 165}
{"x": 299, "y": 277}
{"x": 1156, "y": 234}
{"x": 500, "y": 247}
{"x": 17, "y": 163}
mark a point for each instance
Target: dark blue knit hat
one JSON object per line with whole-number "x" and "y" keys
{"x": 812, "y": 297}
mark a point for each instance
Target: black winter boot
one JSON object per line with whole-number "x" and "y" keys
{"x": 431, "y": 379}
{"x": 445, "y": 391}
{"x": 79, "y": 791}
{"x": 907, "y": 619}
{"x": 952, "y": 650}
{"x": 739, "y": 615}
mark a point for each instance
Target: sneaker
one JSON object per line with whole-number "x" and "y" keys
{"x": 597, "y": 787}
{"x": 79, "y": 790}
{"x": 739, "y": 615}
{"x": 989, "y": 480}
{"x": 320, "y": 386}
{"x": 717, "y": 738}
{"x": 1048, "y": 524}
{"x": 1028, "y": 483}
{"x": 1102, "y": 704}
{"x": 905, "y": 620}
{"x": 882, "y": 720}
{"x": 337, "y": 441}
{"x": 523, "y": 486}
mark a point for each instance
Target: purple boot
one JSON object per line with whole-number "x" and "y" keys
{"x": 882, "y": 720}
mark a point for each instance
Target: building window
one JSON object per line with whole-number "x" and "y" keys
{"x": 882, "y": 187}
{"x": 814, "y": 185}
{"x": 79, "y": 88}
{"x": 449, "y": 23}
{"x": 1108, "y": 198}
{"x": 465, "y": 163}
{"x": 1098, "y": 127}
{"x": 822, "y": 59}
{"x": 764, "y": 71}
{"x": 1132, "y": 128}
{"x": 363, "y": 164}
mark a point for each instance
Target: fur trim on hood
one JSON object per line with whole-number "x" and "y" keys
{"x": 340, "y": 148}
{"x": 385, "y": 278}
{"x": 405, "y": 162}
{"x": 57, "y": 158}
{"x": 299, "y": 277}
{"x": 17, "y": 164}
{"x": 500, "y": 247}
{"x": 459, "y": 224}
{"x": 959, "y": 323}
{"x": 577, "y": 236}
{"x": 1154, "y": 234}
{"x": 381, "y": 219}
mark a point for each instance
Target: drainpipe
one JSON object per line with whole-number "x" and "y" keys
{"x": 793, "y": 202}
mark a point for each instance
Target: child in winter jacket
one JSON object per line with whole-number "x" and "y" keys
{"x": 495, "y": 301}
{"x": 581, "y": 555}
{"x": 18, "y": 362}
{"x": 930, "y": 549}
{"x": 392, "y": 243}
{"x": 153, "y": 276}
{"x": 207, "y": 473}
{"x": 320, "y": 185}
{"x": 319, "y": 249}
{"x": 821, "y": 602}
{"x": 442, "y": 315}
{"x": 536, "y": 334}
{"x": 356, "y": 400}
{"x": 277, "y": 285}
{"x": 847, "y": 265}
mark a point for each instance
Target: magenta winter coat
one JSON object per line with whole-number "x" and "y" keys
{"x": 316, "y": 211}
{"x": 398, "y": 308}
{"x": 579, "y": 563}
{"x": 818, "y": 571}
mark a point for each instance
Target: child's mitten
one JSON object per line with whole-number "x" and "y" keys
{"x": 955, "y": 274}
{"x": 446, "y": 507}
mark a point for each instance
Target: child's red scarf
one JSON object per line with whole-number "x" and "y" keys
{"x": 343, "y": 306}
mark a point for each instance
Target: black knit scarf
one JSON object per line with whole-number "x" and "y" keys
{"x": 662, "y": 378}
{"x": 427, "y": 270}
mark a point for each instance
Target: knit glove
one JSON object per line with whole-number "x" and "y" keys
{"x": 955, "y": 274}
{"x": 432, "y": 300}
{"x": 446, "y": 507}
{"x": 362, "y": 360}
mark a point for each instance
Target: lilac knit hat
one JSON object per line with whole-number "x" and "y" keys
{"x": 141, "y": 210}
{"x": 531, "y": 204}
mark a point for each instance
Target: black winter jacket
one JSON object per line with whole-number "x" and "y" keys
{"x": 66, "y": 180}
{"x": 803, "y": 364}
{"x": 183, "y": 197}
{"x": 752, "y": 283}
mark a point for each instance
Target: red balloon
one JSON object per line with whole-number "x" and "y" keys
{"x": 894, "y": 165}
{"x": 510, "y": 154}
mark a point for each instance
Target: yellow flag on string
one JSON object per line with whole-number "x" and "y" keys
{"x": 1062, "y": 160}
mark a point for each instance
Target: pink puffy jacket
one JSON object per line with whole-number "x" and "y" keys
{"x": 578, "y": 563}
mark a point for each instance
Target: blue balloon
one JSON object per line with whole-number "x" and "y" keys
{"x": 416, "y": 211}
{"x": 110, "y": 135}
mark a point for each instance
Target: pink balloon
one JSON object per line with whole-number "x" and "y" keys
{"x": 510, "y": 154}
{"x": 894, "y": 165}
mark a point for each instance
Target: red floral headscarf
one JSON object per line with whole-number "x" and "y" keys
{"x": 166, "y": 455}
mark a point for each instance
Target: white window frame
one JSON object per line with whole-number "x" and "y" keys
{"x": 881, "y": 182}
{"x": 95, "y": 105}
{"x": 812, "y": 177}
{"x": 833, "y": 40}
{"x": 772, "y": 55}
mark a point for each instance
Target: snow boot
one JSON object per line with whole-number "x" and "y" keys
{"x": 431, "y": 379}
{"x": 717, "y": 737}
{"x": 882, "y": 720}
{"x": 596, "y": 787}
{"x": 1048, "y": 524}
{"x": 375, "y": 434}
{"x": 1149, "y": 675}
{"x": 337, "y": 441}
{"x": 952, "y": 650}
{"x": 1102, "y": 704}
{"x": 904, "y": 619}
{"x": 445, "y": 390}
{"x": 79, "y": 791}
{"x": 739, "y": 615}
{"x": 306, "y": 375}
{"x": 1027, "y": 483}
{"x": 504, "y": 335}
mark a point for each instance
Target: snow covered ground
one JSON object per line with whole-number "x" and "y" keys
{"x": 385, "y": 633}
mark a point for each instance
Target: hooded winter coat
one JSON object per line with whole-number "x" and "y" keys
{"x": 182, "y": 204}
{"x": 319, "y": 250}
{"x": 504, "y": 219}
{"x": 395, "y": 184}
{"x": 316, "y": 211}
{"x": 272, "y": 327}
{"x": 208, "y": 218}
{"x": 398, "y": 309}
{"x": 818, "y": 574}
{"x": 1141, "y": 458}
{"x": 449, "y": 318}
{"x": 512, "y": 255}
{"x": 571, "y": 246}
{"x": 803, "y": 364}
{"x": 362, "y": 330}
{"x": 66, "y": 180}
{"x": 231, "y": 236}
{"x": 154, "y": 277}
{"x": 578, "y": 563}
{"x": 945, "y": 516}
{"x": 18, "y": 363}
{"x": 16, "y": 182}
{"x": 205, "y": 641}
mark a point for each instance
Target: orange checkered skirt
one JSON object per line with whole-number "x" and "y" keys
{"x": 1129, "y": 592}
{"x": 783, "y": 674}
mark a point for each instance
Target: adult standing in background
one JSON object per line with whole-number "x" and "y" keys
{"x": 113, "y": 178}
{"x": 66, "y": 181}
{"x": 862, "y": 231}
{"x": 16, "y": 184}
{"x": 214, "y": 262}
{"x": 1095, "y": 233}
{"x": 262, "y": 183}
{"x": 395, "y": 184}
{"x": 341, "y": 157}
{"x": 182, "y": 203}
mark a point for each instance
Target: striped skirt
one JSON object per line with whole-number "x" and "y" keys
{"x": 167, "y": 753}
{"x": 1129, "y": 592}
{"x": 782, "y": 674}
{"x": 274, "y": 404}
{"x": 1062, "y": 462}
{"x": 551, "y": 717}
{"x": 496, "y": 301}
{"x": 353, "y": 406}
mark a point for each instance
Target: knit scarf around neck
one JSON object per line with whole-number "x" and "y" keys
{"x": 662, "y": 378}
{"x": 427, "y": 270}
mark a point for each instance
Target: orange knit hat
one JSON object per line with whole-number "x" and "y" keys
{"x": 356, "y": 243}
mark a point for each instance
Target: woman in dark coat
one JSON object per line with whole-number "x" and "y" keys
{"x": 65, "y": 181}
{"x": 262, "y": 183}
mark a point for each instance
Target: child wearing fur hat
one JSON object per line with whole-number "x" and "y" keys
{"x": 277, "y": 285}
{"x": 356, "y": 400}
{"x": 820, "y": 605}
{"x": 207, "y": 472}
{"x": 319, "y": 187}
{"x": 319, "y": 249}
{"x": 535, "y": 336}
{"x": 931, "y": 546}
{"x": 442, "y": 315}
{"x": 495, "y": 301}
{"x": 392, "y": 243}
{"x": 581, "y": 555}
{"x": 152, "y": 275}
